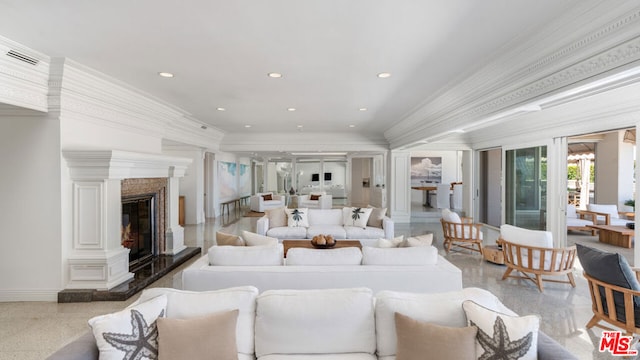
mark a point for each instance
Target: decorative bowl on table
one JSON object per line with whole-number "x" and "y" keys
{"x": 323, "y": 242}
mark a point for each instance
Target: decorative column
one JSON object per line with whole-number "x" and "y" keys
{"x": 97, "y": 259}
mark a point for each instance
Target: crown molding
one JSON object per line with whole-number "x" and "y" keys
{"x": 305, "y": 142}
{"x": 602, "y": 41}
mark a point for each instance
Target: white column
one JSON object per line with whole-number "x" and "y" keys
{"x": 400, "y": 186}
{"x": 97, "y": 260}
{"x": 175, "y": 233}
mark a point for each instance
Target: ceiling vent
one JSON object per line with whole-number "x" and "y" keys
{"x": 22, "y": 57}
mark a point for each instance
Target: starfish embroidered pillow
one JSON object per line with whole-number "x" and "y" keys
{"x": 131, "y": 333}
{"x": 355, "y": 216}
{"x": 502, "y": 336}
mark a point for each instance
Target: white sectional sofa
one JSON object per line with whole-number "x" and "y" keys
{"x": 326, "y": 222}
{"x": 401, "y": 269}
{"x": 330, "y": 324}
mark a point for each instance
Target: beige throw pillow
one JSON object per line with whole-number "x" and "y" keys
{"x": 420, "y": 240}
{"x": 375, "y": 219}
{"x": 253, "y": 239}
{"x": 419, "y": 340}
{"x": 211, "y": 337}
{"x": 223, "y": 239}
{"x": 277, "y": 217}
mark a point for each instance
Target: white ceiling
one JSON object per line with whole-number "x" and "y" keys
{"x": 329, "y": 52}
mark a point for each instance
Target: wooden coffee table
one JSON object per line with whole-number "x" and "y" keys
{"x": 614, "y": 235}
{"x": 306, "y": 243}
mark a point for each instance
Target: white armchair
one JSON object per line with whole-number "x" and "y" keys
{"x": 259, "y": 204}
{"x": 579, "y": 220}
{"x": 323, "y": 201}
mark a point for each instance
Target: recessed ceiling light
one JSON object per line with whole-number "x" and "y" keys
{"x": 165, "y": 74}
{"x": 274, "y": 75}
{"x": 363, "y": 109}
{"x": 247, "y": 126}
{"x": 384, "y": 75}
{"x": 291, "y": 109}
{"x": 299, "y": 126}
{"x": 352, "y": 126}
{"x": 221, "y": 109}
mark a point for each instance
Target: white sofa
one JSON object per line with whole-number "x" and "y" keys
{"x": 332, "y": 324}
{"x": 257, "y": 202}
{"x": 325, "y": 201}
{"x": 326, "y": 222}
{"x": 607, "y": 214}
{"x": 401, "y": 269}
{"x": 579, "y": 221}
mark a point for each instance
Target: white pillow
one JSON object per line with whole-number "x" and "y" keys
{"x": 246, "y": 255}
{"x": 183, "y": 304}
{"x": 356, "y": 216}
{"x": 451, "y": 216}
{"x": 341, "y": 256}
{"x": 253, "y": 239}
{"x": 423, "y": 255}
{"x": 495, "y": 328}
{"x": 420, "y": 240}
{"x": 393, "y": 243}
{"x": 298, "y": 217}
{"x": 115, "y": 332}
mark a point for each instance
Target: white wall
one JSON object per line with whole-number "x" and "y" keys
{"x": 31, "y": 256}
{"x": 192, "y": 184}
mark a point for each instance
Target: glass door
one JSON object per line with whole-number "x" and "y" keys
{"x": 526, "y": 187}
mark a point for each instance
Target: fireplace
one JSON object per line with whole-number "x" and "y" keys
{"x": 139, "y": 230}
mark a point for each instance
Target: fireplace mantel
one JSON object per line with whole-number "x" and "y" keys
{"x": 97, "y": 260}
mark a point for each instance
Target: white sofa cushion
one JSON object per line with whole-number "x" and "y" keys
{"x": 288, "y": 232}
{"x": 441, "y": 308}
{"x": 325, "y": 217}
{"x": 182, "y": 304}
{"x": 354, "y": 356}
{"x": 333, "y": 321}
{"x": 419, "y": 240}
{"x": 612, "y": 210}
{"x": 298, "y": 217}
{"x": 354, "y": 232}
{"x": 423, "y": 255}
{"x": 245, "y": 255}
{"x": 337, "y": 231}
{"x": 253, "y": 239}
{"x": 356, "y": 216}
{"x": 341, "y": 256}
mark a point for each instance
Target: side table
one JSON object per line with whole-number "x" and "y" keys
{"x": 493, "y": 254}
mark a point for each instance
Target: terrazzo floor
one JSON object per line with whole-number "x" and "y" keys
{"x": 33, "y": 330}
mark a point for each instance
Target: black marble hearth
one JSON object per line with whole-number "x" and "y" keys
{"x": 144, "y": 276}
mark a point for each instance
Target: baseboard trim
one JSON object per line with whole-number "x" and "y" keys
{"x": 8, "y": 295}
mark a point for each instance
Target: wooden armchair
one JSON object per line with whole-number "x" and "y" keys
{"x": 531, "y": 253}
{"x": 614, "y": 289}
{"x": 606, "y": 308}
{"x": 463, "y": 234}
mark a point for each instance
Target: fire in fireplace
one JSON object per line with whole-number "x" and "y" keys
{"x": 139, "y": 232}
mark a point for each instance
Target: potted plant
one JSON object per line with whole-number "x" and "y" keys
{"x": 632, "y": 203}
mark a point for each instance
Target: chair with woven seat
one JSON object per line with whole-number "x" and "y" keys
{"x": 531, "y": 253}
{"x": 614, "y": 289}
{"x": 461, "y": 232}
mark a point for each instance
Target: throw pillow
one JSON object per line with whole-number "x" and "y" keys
{"x": 451, "y": 216}
{"x": 131, "y": 333}
{"x": 502, "y": 336}
{"x": 420, "y": 240}
{"x": 314, "y": 197}
{"x": 376, "y": 217}
{"x": 209, "y": 337}
{"x": 356, "y": 216}
{"x": 393, "y": 243}
{"x": 223, "y": 239}
{"x": 419, "y": 340}
{"x": 267, "y": 197}
{"x": 253, "y": 239}
{"x": 277, "y": 217}
{"x": 297, "y": 217}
